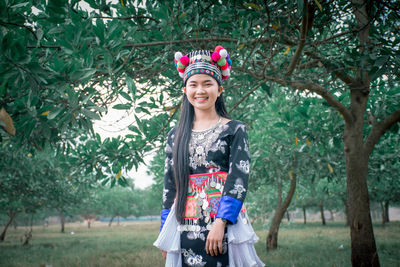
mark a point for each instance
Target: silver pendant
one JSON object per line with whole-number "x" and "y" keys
{"x": 207, "y": 219}
{"x": 212, "y": 184}
{"x": 244, "y": 220}
{"x": 218, "y": 186}
{"x": 198, "y": 228}
{"x": 209, "y": 226}
{"x": 202, "y": 194}
{"x": 199, "y": 150}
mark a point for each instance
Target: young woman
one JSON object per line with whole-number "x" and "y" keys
{"x": 203, "y": 220}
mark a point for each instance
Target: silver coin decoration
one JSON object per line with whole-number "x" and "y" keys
{"x": 212, "y": 184}
{"x": 244, "y": 220}
{"x": 202, "y": 194}
{"x": 218, "y": 186}
{"x": 200, "y": 143}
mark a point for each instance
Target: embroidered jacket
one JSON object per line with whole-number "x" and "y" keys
{"x": 226, "y": 149}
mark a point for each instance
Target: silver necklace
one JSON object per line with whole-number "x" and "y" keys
{"x": 200, "y": 143}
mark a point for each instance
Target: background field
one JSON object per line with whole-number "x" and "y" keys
{"x": 130, "y": 244}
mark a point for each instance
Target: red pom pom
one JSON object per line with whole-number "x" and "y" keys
{"x": 181, "y": 70}
{"x": 224, "y": 67}
{"x": 184, "y": 60}
{"x": 224, "y": 77}
{"x": 218, "y": 48}
{"x": 215, "y": 56}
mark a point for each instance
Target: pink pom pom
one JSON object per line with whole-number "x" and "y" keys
{"x": 218, "y": 48}
{"x": 224, "y": 67}
{"x": 224, "y": 77}
{"x": 215, "y": 56}
{"x": 184, "y": 60}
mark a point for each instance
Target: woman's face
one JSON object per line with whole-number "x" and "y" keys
{"x": 202, "y": 91}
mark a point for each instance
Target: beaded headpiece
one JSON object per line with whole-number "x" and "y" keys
{"x": 216, "y": 64}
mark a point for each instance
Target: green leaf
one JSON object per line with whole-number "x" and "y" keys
{"x": 122, "y": 106}
{"x": 3, "y": 89}
{"x": 54, "y": 113}
{"x": 112, "y": 183}
{"x": 125, "y": 95}
{"x": 131, "y": 86}
{"x": 254, "y": 6}
{"x": 280, "y": 125}
{"x": 90, "y": 114}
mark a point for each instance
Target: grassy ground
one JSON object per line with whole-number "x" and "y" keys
{"x": 131, "y": 245}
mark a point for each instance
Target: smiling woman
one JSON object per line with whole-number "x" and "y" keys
{"x": 203, "y": 221}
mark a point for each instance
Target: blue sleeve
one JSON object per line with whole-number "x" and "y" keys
{"x": 235, "y": 188}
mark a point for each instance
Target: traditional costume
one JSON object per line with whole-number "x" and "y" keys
{"x": 219, "y": 164}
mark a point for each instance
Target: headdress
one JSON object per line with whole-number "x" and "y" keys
{"x": 216, "y": 64}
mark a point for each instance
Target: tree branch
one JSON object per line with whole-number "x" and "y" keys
{"x": 319, "y": 90}
{"x": 350, "y": 81}
{"x": 316, "y": 43}
{"x": 306, "y": 24}
{"x": 19, "y": 25}
{"x": 378, "y": 129}
{"x": 243, "y": 98}
{"x": 126, "y": 18}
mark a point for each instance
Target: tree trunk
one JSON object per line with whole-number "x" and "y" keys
{"x": 112, "y": 218}
{"x": 62, "y": 219}
{"x": 386, "y": 208}
{"x": 346, "y": 212}
{"x": 321, "y": 209}
{"x": 28, "y": 234}
{"x": 272, "y": 237}
{"x": 385, "y": 212}
{"x": 118, "y": 220}
{"x": 288, "y": 216}
{"x": 332, "y": 217}
{"x": 11, "y": 215}
{"x": 15, "y": 222}
{"x": 363, "y": 247}
{"x": 304, "y": 214}
{"x": 88, "y": 224}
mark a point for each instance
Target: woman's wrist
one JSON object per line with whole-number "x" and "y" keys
{"x": 221, "y": 221}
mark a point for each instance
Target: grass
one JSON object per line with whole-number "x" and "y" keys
{"x": 131, "y": 245}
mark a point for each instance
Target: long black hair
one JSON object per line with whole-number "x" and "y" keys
{"x": 181, "y": 151}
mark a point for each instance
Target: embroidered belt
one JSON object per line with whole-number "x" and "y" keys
{"x": 203, "y": 198}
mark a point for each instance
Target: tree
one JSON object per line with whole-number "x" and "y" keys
{"x": 344, "y": 52}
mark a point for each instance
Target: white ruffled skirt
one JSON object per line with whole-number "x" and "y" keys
{"x": 241, "y": 239}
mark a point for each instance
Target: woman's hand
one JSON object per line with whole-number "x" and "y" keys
{"x": 164, "y": 254}
{"x": 214, "y": 238}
